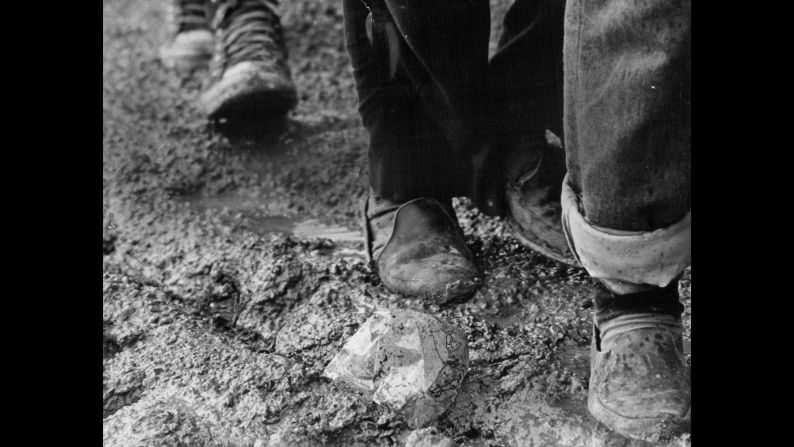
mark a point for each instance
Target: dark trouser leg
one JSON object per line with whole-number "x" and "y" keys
{"x": 526, "y": 71}
{"x": 526, "y": 85}
{"x": 627, "y": 111}
{"x": 420, "y": 86}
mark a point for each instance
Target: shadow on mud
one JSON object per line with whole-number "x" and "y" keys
{"x": 252, "y": 128}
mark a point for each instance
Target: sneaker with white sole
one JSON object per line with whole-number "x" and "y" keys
{"x": 251, "y": 77}
{"x": 639, "y": 381}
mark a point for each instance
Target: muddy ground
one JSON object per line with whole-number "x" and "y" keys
{"x": 234, "y": 270}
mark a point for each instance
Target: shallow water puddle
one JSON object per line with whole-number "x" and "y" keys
{"x": 265, "y": 219}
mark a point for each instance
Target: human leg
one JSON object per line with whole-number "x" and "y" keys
{"x": 525, "y": 87}
{"x": 626, "y": 202}
{"x": 419, "y": 68}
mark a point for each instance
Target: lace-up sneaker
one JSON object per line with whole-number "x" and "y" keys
{"x": 193, "y": 40}
{"x": 250, "y": 72}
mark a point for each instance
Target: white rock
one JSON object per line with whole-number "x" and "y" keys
{"x": 410, "y": 361}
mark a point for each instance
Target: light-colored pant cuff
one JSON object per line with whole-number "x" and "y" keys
{"x": 635, "y": 257}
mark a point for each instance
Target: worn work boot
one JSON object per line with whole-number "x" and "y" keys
{"x": 639, "y": 383}
{"x": 534, "y": 174}
{"x": 193, "y": 41}
{"x": 250, "y": 72}
{"x": 419, "y": 249}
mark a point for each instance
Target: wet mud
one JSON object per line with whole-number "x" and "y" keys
{"x": 234, "y": 270}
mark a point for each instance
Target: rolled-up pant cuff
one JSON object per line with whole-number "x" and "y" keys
{"x": 614, "y": 256}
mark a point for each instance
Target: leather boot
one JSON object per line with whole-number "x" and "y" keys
{"x": 534, "y": 174}
{"x": 250, "y": 76}
{"x": 419, "y": 249}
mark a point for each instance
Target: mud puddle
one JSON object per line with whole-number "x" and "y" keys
{"x": 265, "y": 219}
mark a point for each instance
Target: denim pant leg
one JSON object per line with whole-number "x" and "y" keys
{"x": 627, "y": 111}
{"x": 420, "y": 83}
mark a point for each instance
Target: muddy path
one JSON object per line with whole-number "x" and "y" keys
{"x": 234, "y": 270}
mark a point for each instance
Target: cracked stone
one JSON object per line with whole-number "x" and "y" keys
{"x": 410, "y": 362}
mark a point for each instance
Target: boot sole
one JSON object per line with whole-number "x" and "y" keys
{"x": 249, "y": 94}
{"x": 645, "y": 429}
{"x": 452, "y": 295}
{"x": 516, "y": 231}
{"x": 267, "y": 105}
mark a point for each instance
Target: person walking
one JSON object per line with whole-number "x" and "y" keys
{"x": 243, "y": 42}
{"x": 611, "y": 78}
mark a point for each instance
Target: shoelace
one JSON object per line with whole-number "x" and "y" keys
{"x": 249, "y": 30}
{"x": 188, "y": 15}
